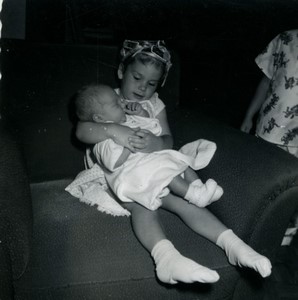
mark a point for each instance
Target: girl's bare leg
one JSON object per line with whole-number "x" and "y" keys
{"x": 190, "y": 175}
{"x": 146, "y": 225}
{"x": 207, "y": 225}
{"x": 200, "y": 220}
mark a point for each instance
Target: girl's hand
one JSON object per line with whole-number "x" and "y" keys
{"x": 145, "y": 141}
{"x": 123, "y": 135}
{"x": 135, "y": 108}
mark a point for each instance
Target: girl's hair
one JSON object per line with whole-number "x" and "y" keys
{"x": 145, "y": 60}
{"x": 147, "y": 52}
{"x": 85, "y": 101}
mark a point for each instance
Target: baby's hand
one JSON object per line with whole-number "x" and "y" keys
{"x": 135, "y": 108}
{"x": 145, "y": 141}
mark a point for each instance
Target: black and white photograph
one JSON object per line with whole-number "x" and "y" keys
{"x": 149, "y": 149}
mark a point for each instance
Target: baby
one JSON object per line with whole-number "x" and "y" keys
{"x": 144, "y": 177}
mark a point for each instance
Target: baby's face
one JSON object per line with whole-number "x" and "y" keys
{"x": 112, "y": 108}
{"x": 139, "y": 81}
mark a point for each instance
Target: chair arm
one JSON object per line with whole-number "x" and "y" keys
{"x": 15, "y": 211}
{"x": 260, "y": 181}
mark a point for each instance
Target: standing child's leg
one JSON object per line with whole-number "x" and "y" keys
{"x": 171, "y": 266}
{"x": 207, "y": 225}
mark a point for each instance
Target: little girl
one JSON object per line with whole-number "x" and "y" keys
{"x": 144, "y": 66}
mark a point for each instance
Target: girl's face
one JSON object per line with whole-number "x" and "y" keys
{"x": 139, "y": 81}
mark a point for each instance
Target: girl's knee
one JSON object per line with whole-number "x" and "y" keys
{"x": 173, "y": 203}
{"x": 135, "y": 208}
{"x": 130, "y": 206}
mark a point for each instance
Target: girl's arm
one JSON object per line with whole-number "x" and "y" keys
{"x": 92, "y": 133}
{"x": 166, "y": 135}
{"x": 256, "y": 103}
{"x": 150, "y": 142}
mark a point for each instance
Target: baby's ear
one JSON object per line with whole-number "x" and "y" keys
{"x": 120, "y": 71}
{"x": 96, "y": 118}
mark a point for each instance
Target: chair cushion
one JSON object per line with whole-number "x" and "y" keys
{"x": 79, "y": 250}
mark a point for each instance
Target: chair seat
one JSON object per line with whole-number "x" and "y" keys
{"x": 76, "y": 245}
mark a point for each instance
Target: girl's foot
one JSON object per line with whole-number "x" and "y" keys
{"x": 218, "y": 191}
{"x": 243, "y": 255}
{"x": 172, "y": 267}
{"x": 201, "y": 194}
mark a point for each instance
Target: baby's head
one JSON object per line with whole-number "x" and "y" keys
{"x": 99, "y": 103}
{"x": 144, "y": 66}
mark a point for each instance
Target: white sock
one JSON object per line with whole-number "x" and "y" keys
{"x": 243, "y": 255}
{"x": 203, "y": 194}
{"x": 198, "y": 182}
{"x": 172, "y": 267}
{"x": 218, "y": 191}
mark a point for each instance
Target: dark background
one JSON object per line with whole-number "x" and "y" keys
{"x": 216, "y": 40}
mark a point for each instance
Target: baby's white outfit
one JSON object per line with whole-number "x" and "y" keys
{"x": 144, "y": 176}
